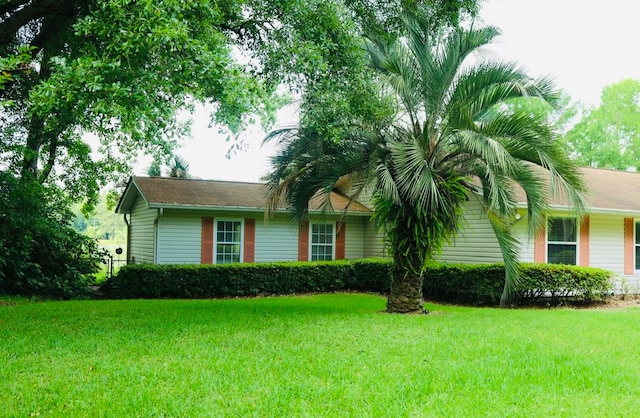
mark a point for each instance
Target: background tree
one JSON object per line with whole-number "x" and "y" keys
{"x": 102, "y": 223}
{"x": 609, "y": 136}
{"x": 461, "y": 131}
{"x": 179, "y": 168}
{"x": 155, "y": 168}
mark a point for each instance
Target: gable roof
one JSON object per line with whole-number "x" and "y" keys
{"x": 170, "y": 192}
{"x": 607, "y": 191}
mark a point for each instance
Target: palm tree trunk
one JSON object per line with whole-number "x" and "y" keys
{"x": 406, "y": 292}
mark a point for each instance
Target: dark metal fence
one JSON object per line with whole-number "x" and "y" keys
{"x": 113, "y": 264}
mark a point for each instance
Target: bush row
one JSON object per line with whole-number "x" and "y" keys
{"x": 207, "y": 281}
{"x": 482, "y": 284}
{"x": 479, "y": 284}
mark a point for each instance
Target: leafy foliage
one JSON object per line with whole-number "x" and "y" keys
{"x": 459, "y": 129}
{"x": 481, "y": 284}
{"x": 207, "y": 281}
{"x": 477, "y": 284}
{"x": 609, "y": 136}
{"x": 101, "y": 223}
{"x": 121, "y": 70}
{"x": 179, "y": 167}
{"x": 40, "y": 253}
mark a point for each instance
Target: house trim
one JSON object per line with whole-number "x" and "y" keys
{"x": 629, "y": 245}
{"x": 249, "y": 240}
{"x": 584, "y": 241}
{"x": 206, "y": 255}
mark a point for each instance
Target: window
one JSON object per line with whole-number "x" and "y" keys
{"x": 637, "y": 245}
{"x": 562, "y": 244}
{"x": 228, "y": 244}
{"x": 322, "y": 242}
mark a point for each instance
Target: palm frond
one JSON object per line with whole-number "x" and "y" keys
{"x": 509, "y": 247}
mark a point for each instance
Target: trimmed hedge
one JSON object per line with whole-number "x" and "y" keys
{"x": 482, "y": 284}
{"x": 208, "y": 281}
{"x": 477, "y": 284}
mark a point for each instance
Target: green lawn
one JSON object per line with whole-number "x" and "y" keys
{"x": 325, "y": 355}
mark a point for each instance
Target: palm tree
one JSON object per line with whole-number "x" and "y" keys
{"x": 179, "y": 168}
{"x": 462, "y": 131}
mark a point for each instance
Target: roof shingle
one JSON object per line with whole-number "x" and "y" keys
{"x": 175, "y": 192}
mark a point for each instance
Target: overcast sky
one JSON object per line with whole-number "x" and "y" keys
{"x": 583, "y": 45}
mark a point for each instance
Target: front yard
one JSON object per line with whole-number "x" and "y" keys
{"x": 324, "y": 355}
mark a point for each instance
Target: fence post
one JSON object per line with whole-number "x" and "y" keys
{"x": 110, "y": 266}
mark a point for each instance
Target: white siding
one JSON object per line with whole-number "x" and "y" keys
{"x": 606, "y": 242}
{"x": 178, "y": 235}
{"x": 476, "y": 242}
{"x": 178, "y": 238}
{"x": 142, "y": 232}
{"x": 373, "y": 241}
{"x": 526, "y": 241}
{"x": 354, "y": 240}
{"x": 606, "y": 250}
{"x": 277, "y": 240}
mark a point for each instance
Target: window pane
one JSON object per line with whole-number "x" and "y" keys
{"x": 321, "y": 242}
{"x": 637, "y": 233}
{"x": 228, "y": 242}
{"x": 637, "y": 257}
{"x": 561, "y": 254}
{"x": 321, "y": 253}
{"x": 562, "y": 229}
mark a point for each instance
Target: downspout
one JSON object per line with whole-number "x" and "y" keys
{"x": 155, "y": 235}
{"x": 128, "y": 222}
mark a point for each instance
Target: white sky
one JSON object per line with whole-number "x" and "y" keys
{"x": 583, "y": 45}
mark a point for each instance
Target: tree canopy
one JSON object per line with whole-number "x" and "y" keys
{"x": 608, "y": 136}
{"x": 120, "y": 70}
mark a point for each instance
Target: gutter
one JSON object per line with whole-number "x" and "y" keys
{"x": 244, "y": 209}
{"x": 592, "y": 211}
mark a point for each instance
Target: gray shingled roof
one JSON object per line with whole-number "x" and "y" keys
{"x": 192, "y": 193}
{"x": 608, "y": 190}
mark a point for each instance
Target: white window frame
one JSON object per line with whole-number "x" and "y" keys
{"x": 216, "y": 242}
{"x": 575, "y": 243}
{"x": 333, "y": 240}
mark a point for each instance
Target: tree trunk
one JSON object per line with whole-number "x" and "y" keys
{"x": 406, "y": 292}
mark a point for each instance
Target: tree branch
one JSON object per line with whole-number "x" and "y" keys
{"x": 35, "y": 10}
{"x": 51, "y": 160}
{"x": 9, "y": 6}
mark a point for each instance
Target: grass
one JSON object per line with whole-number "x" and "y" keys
{"x": 314, "y": 356}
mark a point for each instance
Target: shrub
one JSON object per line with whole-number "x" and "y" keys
{"x": 472, "y": 284}
{"x": 40, "y": 253}
{"x": 556, "y": 282}
{"x": 206, "y": 281}
{"x": 372, "y": 275}
{"x": 482, "y": 284}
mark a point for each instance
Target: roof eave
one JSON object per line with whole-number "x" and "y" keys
{"x": 592, "y": 210}
{"x": 241, "y": 209}
{"x": 128, "y": 197}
